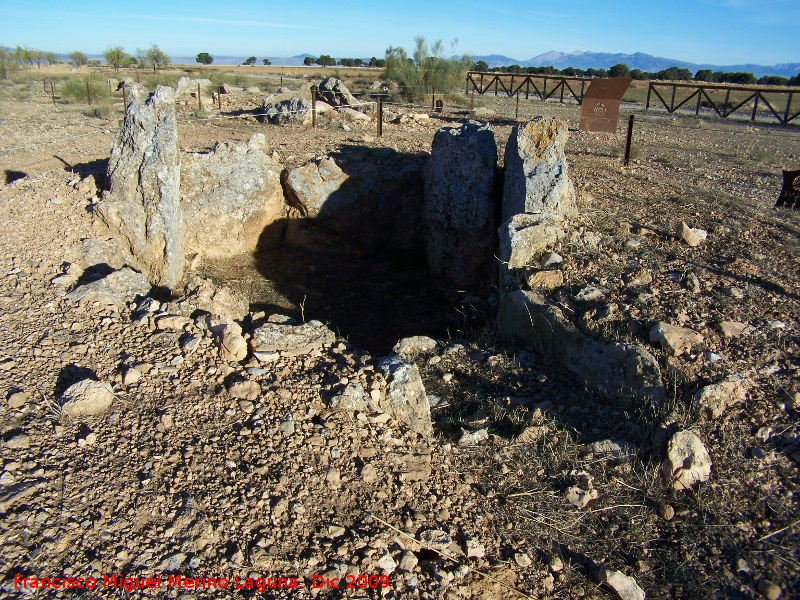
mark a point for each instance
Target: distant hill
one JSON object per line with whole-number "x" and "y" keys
{"x": 639, "y": 60}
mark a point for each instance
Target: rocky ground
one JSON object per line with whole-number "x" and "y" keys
{"x": 208, "y": 465}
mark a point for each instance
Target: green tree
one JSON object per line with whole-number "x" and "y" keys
{"x": 266, "y": 61}
{"x": 116, "y": 57}
{"x": 204, "y": 58}
{"x": 794, "y": 80}
{"x": 326, "y": 61}
{"x": 481, "y": 66}
{"x": 6, "y": 62}
{"x": 309, "y": 60}
{"x": 619, "y": 70}
{"x": 377, "y": 62}
{"x": 428, "y": 72}
{"x": 704, "y": 75}
{"x": 50, "y": 57}
{"x": 155, "y": 57}
{"x": 250, "y": 61}
{"x": 78, "y": 59}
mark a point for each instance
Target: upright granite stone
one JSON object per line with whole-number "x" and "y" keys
{"x": 537, "y": 181}
{"x": 537, "y": 195}
{"x": 142, "y": 204}
{"x": 229, "y": 196}
{"x": 459, "y": 207}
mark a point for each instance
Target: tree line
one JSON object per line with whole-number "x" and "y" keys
{"x": 326, "y": 60}
{"x": 623, "y": 70}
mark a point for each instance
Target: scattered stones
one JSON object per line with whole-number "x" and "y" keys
{"x": 474, "y": 548}
{"x": 408, "y": 561}
{"x": 609, "y": 368}
{"x": 20, "y": 441}
{"x": 231, "y": 344}
{"x": 131, "y": 376}
{"x": 687, "y": 462}
{"x": 87, "y": 398}
{"x": 386, "y": 563}
{"x": 625, "y": 587}
{"x": 637, "y": 277}
{"x": 459, "y": 207}
{"x": 523, "y": 560}
{"x": 143, "y": 201}
{"x": 717, "y": 397}
{"x": 673, "y": 339}
{"x": 435, "y": 539}
{"x": 200, "y": 294}
{"x": 692, "y": 237}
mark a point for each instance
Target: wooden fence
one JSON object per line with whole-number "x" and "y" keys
{"x": 514, "y": 84}
{"x": 726, "y": 99}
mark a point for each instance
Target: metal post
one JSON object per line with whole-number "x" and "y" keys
{"x": 281, "y": 80}
{"x": 53, "y": 90}
{"x": 511, "y": 87}
{"x": 380, "y": 116}
{"x": 755, "y": 106}
{"x": 628, "y": 140}
{"x": 88, "y": 93}
{"x": 219, "y": 98}
{"x": 314, "y": 106}
{"x": 649, "y": 88}
{"x": 672, "y": 102}
{"x": 516, "y": 111}
{"x": 544, "y": 90}
{"x": 562, "y": 91}
{"x": 199, "y": 99}
{"x": 699, "y": 97}
{"x": 527, "y": 86}
{"x": 496, "y": 83}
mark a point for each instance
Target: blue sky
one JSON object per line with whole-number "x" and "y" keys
{"x": 704, "y": 31}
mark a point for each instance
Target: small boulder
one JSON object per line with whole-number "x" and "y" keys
{"x": 335, "y": 93}
{"x": 735, "y": 329}
{"x": 418, "y": 345}
{"x": 87, "y": 398}
{"x": 244, "y": 389}
{"x": 715, "y": 398}
{"x": 687, "y": 461}
{"x": 291, "y": 340}
{"x": 405, "y": 399}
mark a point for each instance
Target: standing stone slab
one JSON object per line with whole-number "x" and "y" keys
{"x": 536, "y": 179}
{"x": 229, "y": 196}
{"x": 459, "y": 206}
{"x": 143, "y": 202}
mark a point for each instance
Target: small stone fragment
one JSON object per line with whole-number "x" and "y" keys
{"x": 580, "y": 498}
{"x": 692, "y": 237}
{"x": 470, "y": 438}
{"x": 625, "y": 587}
{"x": 769, "y": 590}
{"x": 244, "y": 390}
{"x": 545, "y": 280}
{"x": 735, "y": 329}
{"x": 18, "y": 399}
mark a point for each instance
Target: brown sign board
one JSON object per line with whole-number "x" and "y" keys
{"x": 600, "y": 106}
{"x": 790, "y": 194}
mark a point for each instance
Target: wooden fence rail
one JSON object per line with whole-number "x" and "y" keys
{"x": 702, "y": 94}
{"x": 513, "y": 84}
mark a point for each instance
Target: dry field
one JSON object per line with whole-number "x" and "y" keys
{"x": 182, "y": 476}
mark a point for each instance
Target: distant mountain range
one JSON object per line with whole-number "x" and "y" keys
{"x": 639, "y": 60}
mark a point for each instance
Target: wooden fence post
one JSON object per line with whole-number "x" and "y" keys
{"x": 628, "y": 140}
{"x": 53, "y": 90}
{"x": 516, "y": 111}
{"x": 380, "y": 116}
{"x": 313, "y": 105}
